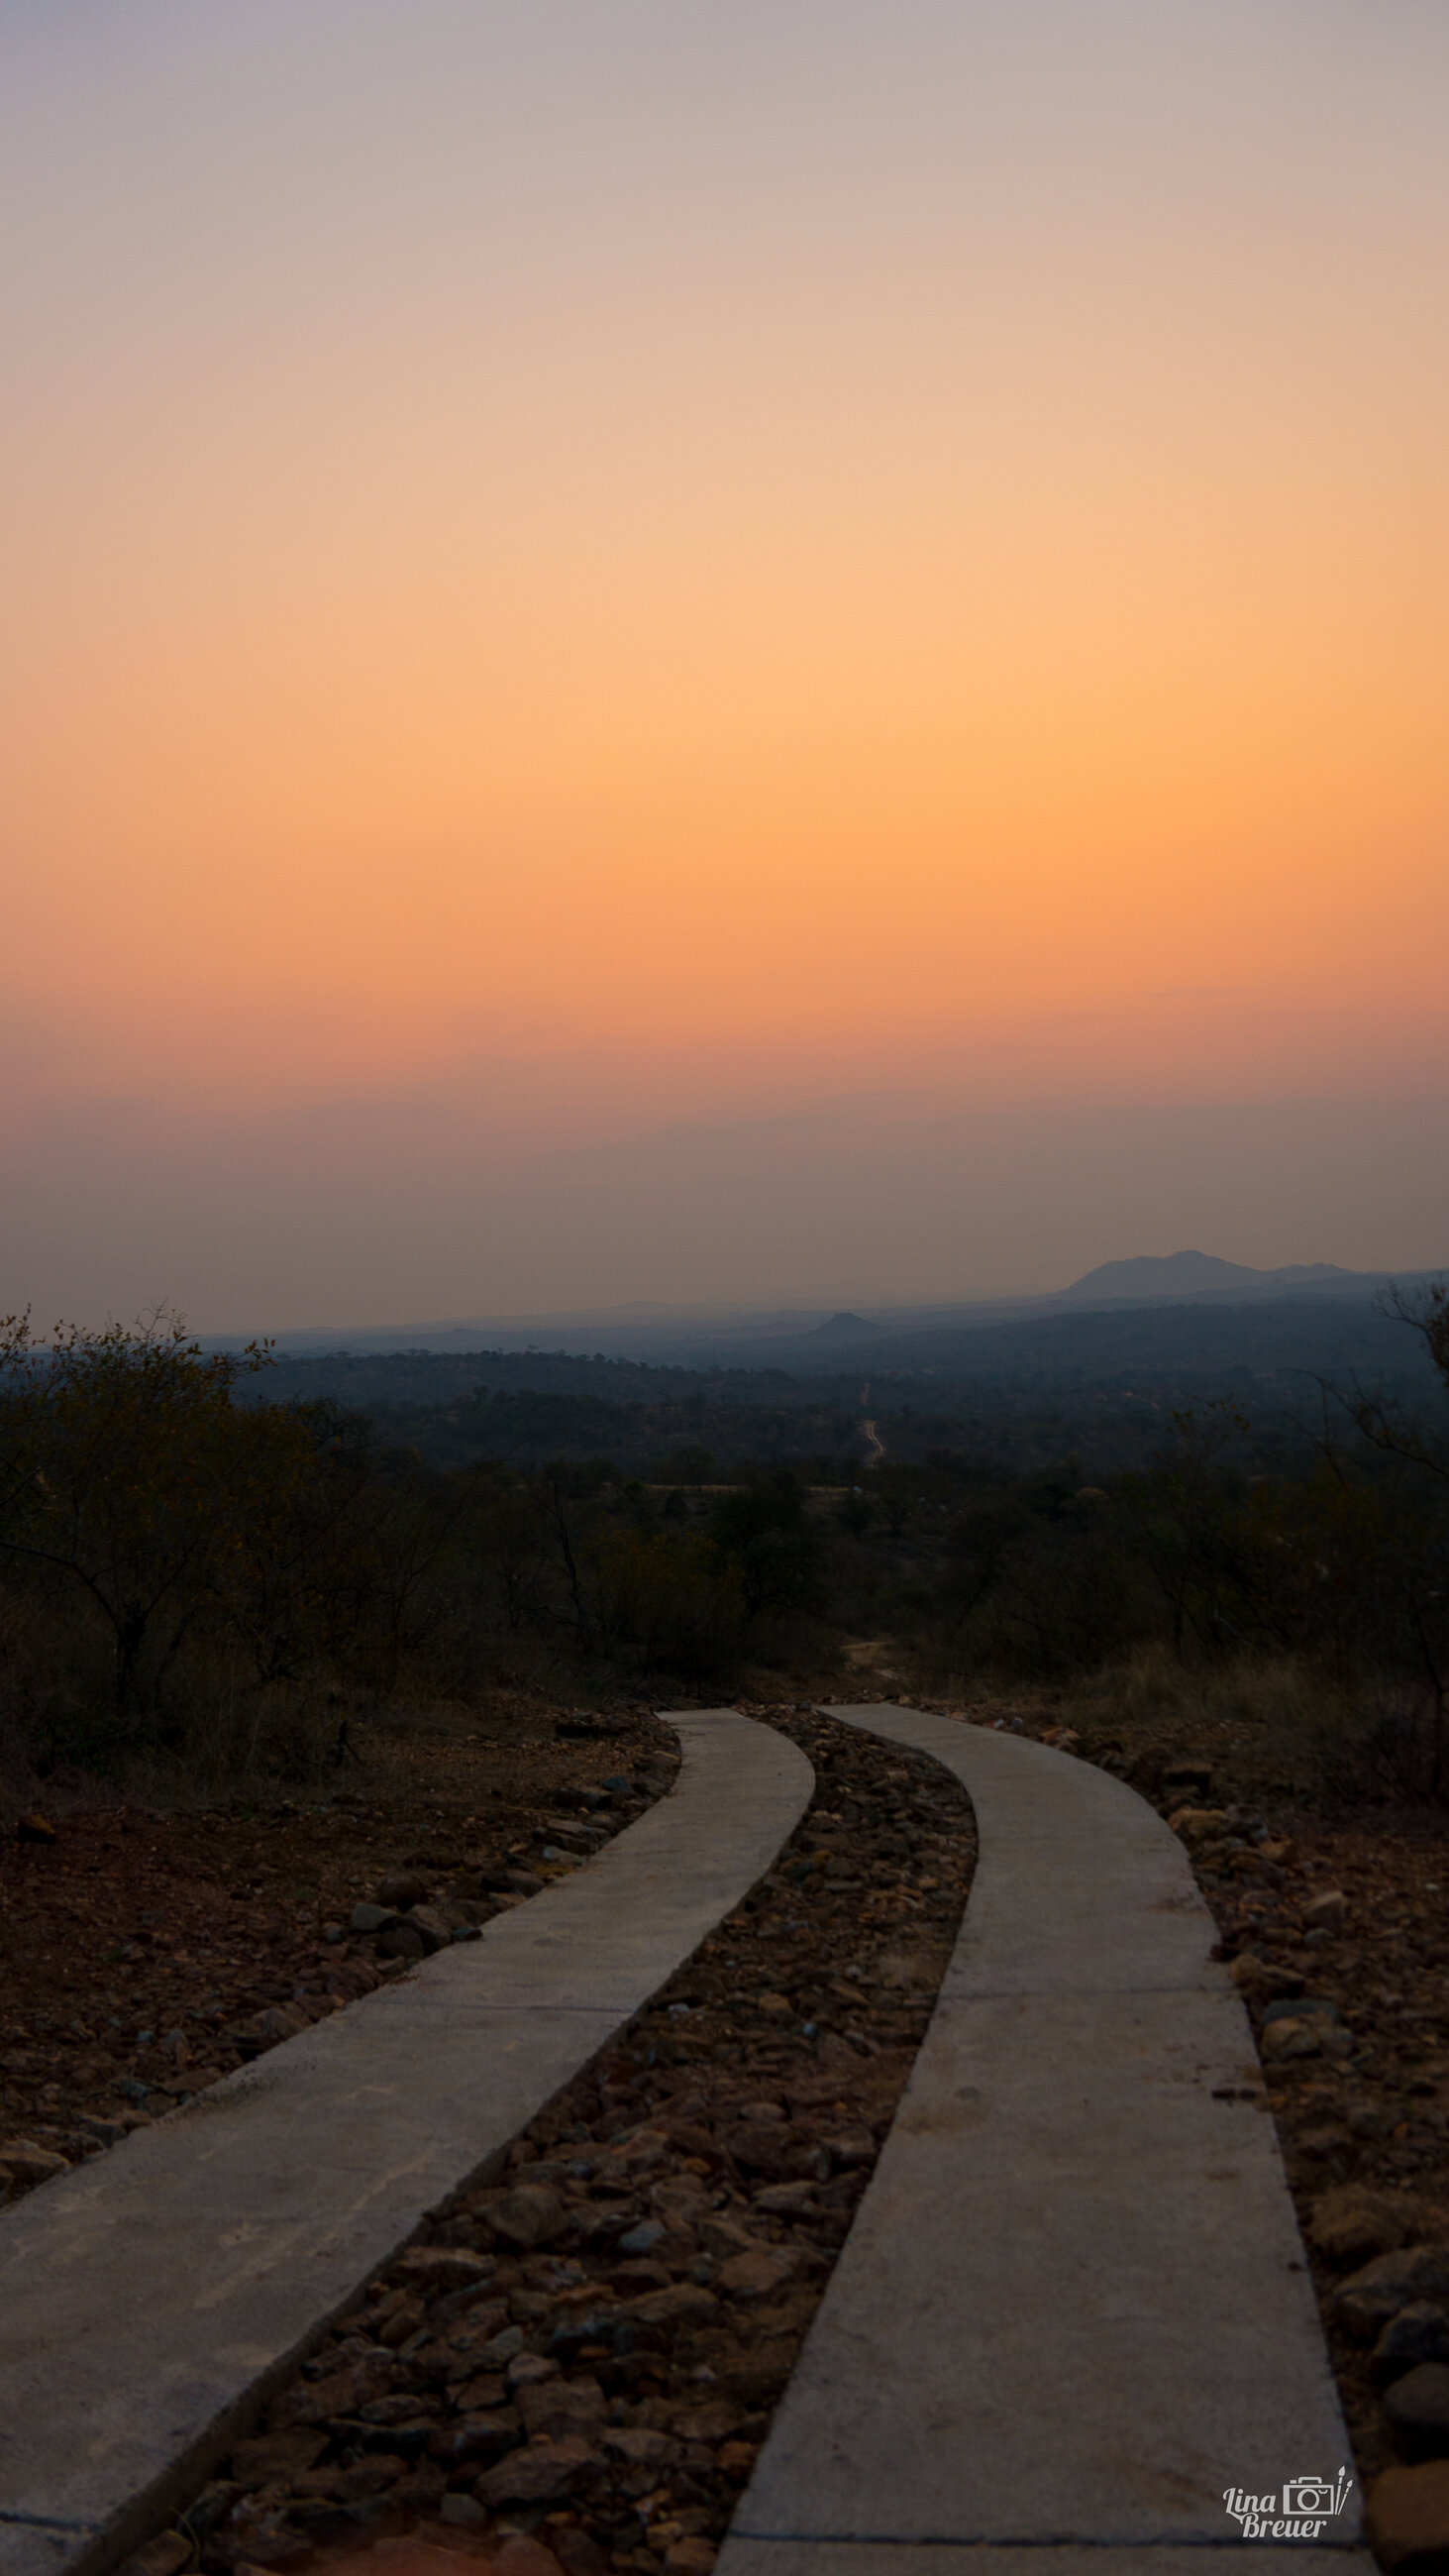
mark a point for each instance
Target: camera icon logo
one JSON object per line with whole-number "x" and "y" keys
{"x": 1318, "y": 2496}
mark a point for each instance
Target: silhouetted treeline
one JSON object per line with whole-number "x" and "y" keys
{"x": 196, "y": 1573}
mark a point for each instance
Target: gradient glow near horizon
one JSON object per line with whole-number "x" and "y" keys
{"x": 718, "y": 650}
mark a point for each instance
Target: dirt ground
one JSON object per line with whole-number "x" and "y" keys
{"x": 140, "y": 1951}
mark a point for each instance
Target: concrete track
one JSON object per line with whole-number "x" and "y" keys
{"x": 1073, "y": 2308}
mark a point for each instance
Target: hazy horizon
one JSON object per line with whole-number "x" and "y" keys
{"x": 717, "y": 654}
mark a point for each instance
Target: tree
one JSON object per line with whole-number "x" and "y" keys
{"x": 761, "y": 1531}
{"x": 121, "y": 1457}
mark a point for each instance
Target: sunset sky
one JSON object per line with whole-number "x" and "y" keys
{"x": 718, "y": 648}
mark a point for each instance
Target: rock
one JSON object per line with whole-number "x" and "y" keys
{"x": 529, "y": 2215}
{"x": 775, "y": 2007}
{"x": 760, "y": 2273}
{"x": 34, "y": 1828}
{"x": 642, "y": 2148}
{"x": 368, "y": 2477}
{"x": 405, "y": 1939}
{"x": 477, "y": 2439}
{"x": 712, "y": 2422}
{"x": 577, "y": 2554}
{"x": 1352, "y": 2224}
{"x": 631, "y": 2280}
{"x": 762, "y": 2147}
{"x": 530, "y": 2369}
{"x": 562, "y": 2406}
{"x": 522, "y": 1882}
{"x": 434, "y": 1924}
{"x": 107, "y": 2133}
{"x": 690, "y": 2557}
{"x": 1289, "y": 2038}
{"x": 848, "y": 2148}
{"x": 1301, "y": 2007}
{"x": 1417, "y": 2407}
{"x": 464, "y": 2512}
{"x": 372, "y": 1918}
{"x": 278, "y": 2022}
{"x": 519, "y": 2556}
{"x": 400, "y": 1891}
{"x": 643, "y": 2238}
{"x": 490, "y": 2388}
{"x": 1406, "y": 2519}
{"x": 665, "y": 2311}
{"x": 1325, "y": 1912}
{"x": 21, "y": 2160}
{"x": 723, "y": 2236}
{"x": 345, "y": 2392}
{"x": 736, "y": 2459}
{"x": 465, "y": 2349}
{"x": 641, "y": 2446}
{"x": 165, "y": 2556}
{"x": 1366, "y": 2301}
{"x": 568, "y": 1833}
{"x": 432, "y": 2268}
{"x": 1419, "y": 2333}
{"x": 536, "y": 2473}
{"x": 274, "y": 2459}
{"x": 785, "y": 2199}
{"x": 1197, "y": 1824}
{"x": 1263, "y": 1979}
{"x": 1319, "y": 2146}
{"x": 1188, "y": 1775}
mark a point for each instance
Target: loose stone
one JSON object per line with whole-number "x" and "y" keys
{"x": 1417, "y": 2407}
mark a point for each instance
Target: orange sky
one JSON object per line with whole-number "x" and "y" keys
{"x": 616, "y": 566}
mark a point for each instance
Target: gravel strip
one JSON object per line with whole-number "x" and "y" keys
{"x": 578, "y": 2367}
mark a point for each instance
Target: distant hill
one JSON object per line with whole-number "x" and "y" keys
{"x": 1202, "y": 1274}
{"x": 843, "y": 1328}
{"x": 810, "y": 1340}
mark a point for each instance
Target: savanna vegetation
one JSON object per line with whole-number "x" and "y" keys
{"x": 204, "y": 1576}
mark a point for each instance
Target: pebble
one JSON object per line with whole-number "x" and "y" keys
{"x": 529, "y": 2215}
{"x": 1325, "y": 1912}
{"x": 1417, "y": 2407}
{"x": 432, "y": 2268}
{"x": 690, "y": 2557}
{"x": 464, "y": 2512}
{"x": 643, "y": 2238}
{"x": 1366, "y": 2302}
{"x": 22, "y": 2161}
{"x": 165, "y": 2556}
{"x": 759, "y": 2273}
{"x": 1419, "y": 2333}
{"x": 537, "y": 2473}
{"x": 1352, "y": 2225}
{"x": 1406, "y": 2519}
{"x": 372, "y": 1918}
{"x": 401, "y": 1890}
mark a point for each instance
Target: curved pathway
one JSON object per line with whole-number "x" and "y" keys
{"x": 1073, "y": 2308}
{"x": 150, "y": 2299}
